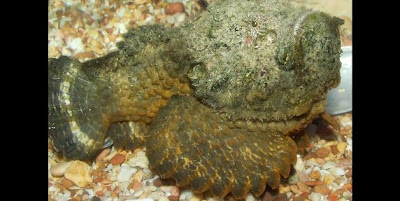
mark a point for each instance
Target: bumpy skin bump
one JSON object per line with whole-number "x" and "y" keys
{"x": 214, "y": 100}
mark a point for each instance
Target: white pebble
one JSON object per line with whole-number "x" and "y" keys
{"x": 124, "y": 187}
{"x": 149, "y": 20}
{"x": 170, "y": 19}
{"x": 188, "y": 193}
{"x": 138, "y": 193}
{"x": 337, "y": 171}
{"x": 52, "y": 189}
{"x": 315, "y": 196}
{"x": 328, "y": 165}
{"x": 126, "y": 173}
{"x": 76, "y": 44}
{"x": 333, "y": 186}
{"x": 122, "y": 28}
{"x": 349, "y": 141}
{"x": 180, "y": 17}
{"x": 66, "y": 52}
{"x": 59, "y": 169}
{"x": 312, "y": 162}
{"x": 250, "y": 197}
{"x": 140, "y": 160}
{"x": 120, "y": 12}
{"x": 308, "y": 171}
{"x": 347, "y": 194}
{"x": 108, "y": 168}
{"x": 299, "y": 167}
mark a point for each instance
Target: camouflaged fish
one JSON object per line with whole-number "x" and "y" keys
{"x": 214, "y": 101}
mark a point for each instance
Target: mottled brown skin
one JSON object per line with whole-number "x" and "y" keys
{"x": 214, "y": 101}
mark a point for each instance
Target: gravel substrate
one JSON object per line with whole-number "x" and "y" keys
{"x": 88, "y": 29}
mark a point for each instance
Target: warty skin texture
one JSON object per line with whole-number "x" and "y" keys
{"x": 214, "y": 100}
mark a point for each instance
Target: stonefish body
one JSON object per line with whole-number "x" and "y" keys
{"x": 214, "y": 100}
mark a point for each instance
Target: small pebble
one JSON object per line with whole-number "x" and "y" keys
{"x": 313, "y": 183}
{"x": 328, "y": 179}
{"x": 299, "y": 198}
{"x": 136, "y": 185}
{"x": 334, "y": 150}
{"x": 158, "y": 182}
{"x": 323, "y": 189}
{"x": 337, "y": 171}
{"x": 333, "y": 197}
{"x": 308, "y": 171}
{"x": 138, "y": 176}
{"x": 347, "y": 195}
{"x": 117, "y": 159}
{"x": 293, "y": 179}
{"x": 328, "y": 165}
{"x": 345, "y": 163}
{"x": 157, "y": 195}
{"x": 103, "y": 154}
{"x": 315, "y": 174}
{"x": 126, "y": 173}
{"x": 140, "y": 160}
{"x": 283, "y": 189}
{"x": 330, "y": 143}
{"x": 138, "y": 193}
{"x": 165, "y": 188}
{"x": 341, "y": 146}
{"x": 303, "y": 177}
{"x": 315, "y": 196}
{"x": 170, "y": 19}
{"x": 303, "y": 187}
{"x": 347, "y": 186}
{"x": 67, "y": 183}
{"x": 173, "y": 8}
{"x": 79, "y": 173}
{"x": 173, "y": 198}
{"x": 320, "y": 161}
{"x": 180, "y": 17}
{"x": 299, "y": 166}
{"x": 295, "y": 190}
{"x": 175, "y": 191}
{"x": 99, "y": 193}
{"x": 250, "y": 197}
{"x": 59, "y": 169}
{"x": 349, "y": 173}
{"x": 323, "y": 152}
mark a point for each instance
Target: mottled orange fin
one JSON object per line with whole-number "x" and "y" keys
{"x": 194, "y": 145}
